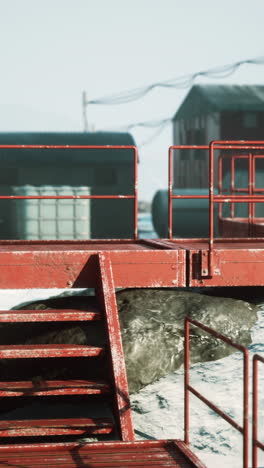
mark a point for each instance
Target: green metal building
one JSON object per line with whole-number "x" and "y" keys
{"x": 214, "y": 112}
{"x": 66, "y": 172}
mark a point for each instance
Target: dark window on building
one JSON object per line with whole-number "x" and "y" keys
{"x": 250, "y": 120}
{"x": 185, "y": 155}
{"x": 8, "y": 176}
{"x": 199, "y": 139}
{"x": 105, "y": 175}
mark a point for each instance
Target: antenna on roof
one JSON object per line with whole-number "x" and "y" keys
{"x": 84, "y": 108}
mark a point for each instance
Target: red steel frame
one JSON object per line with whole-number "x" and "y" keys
{"x": 144, "y": 263}
{"x": 84, "y": 147}
{"x": 255, "y": 442}
{"x": 188, "y": 388}
{"x": 106, "y": 293}
{"x": 250, "y": 198}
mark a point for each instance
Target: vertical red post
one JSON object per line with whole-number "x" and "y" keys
{"x": 211, "y": 208}
{"x": 232, "y": 181}
{"x": 220, "y": 185}
{"x": 186, "y": 382}
{"x": 256, "y": 444}
{"x": 170, "y": 185}
{"x": 255, "y": 414}
{"x": 135, "y": 193}
{"x": 251, "y": 206}
{"x": 245, "y": 409}
{"x": 107, "y": 298}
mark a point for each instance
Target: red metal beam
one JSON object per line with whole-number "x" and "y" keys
{"x": 53, "y": 387}
{"x": 106, "y": 295}
{"x": 48, "y": 315}
{"x": 255, "y": 442}
{"x": 48, "y": 350}
{"x": 74, "y": 265}
{"x": 46, "y": 427}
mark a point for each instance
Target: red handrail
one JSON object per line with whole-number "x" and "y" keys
{"x": 255, "y": 442}
{"x": 250, "y": 197}
{"x": 250, "y": 190}
{"x": 188, "y": 388}
{"x": 82, "y": 147}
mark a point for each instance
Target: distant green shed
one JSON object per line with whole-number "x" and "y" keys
{"x": 214, "y": 112}
{"x": 70, "y": 172}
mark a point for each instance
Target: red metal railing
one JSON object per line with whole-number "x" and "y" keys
{"x": 188, "y": 388}
{"x": 212, "y": 197}
{"x": 171, "y": 197}
{"x": 65, "y": 197}
{"x": 255, "y": 442}
{"x": 251, "y": 189}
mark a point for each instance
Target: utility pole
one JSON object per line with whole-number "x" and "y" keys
{"x": 84, "y": 106}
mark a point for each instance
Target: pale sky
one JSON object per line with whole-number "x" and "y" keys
{"x": 52, "y": 50}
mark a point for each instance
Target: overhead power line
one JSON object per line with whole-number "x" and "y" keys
{"x": 148, "y": 124}
{"x": 182, "y": 82}
{"x": 157, "y": 132}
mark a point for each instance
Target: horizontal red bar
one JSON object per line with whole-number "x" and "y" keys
{"x": 144, "y": 459}
{"x": 224, "y": 198}
{"x": 89, "y": 447}
{"x": 257, "y": 357}
{"x": 68, "y": 147}
{"x": 259, "y": 444}
{"x": 45, "y": 427}
{"x": 215, "y": 408}
{"x": 66, "y": 197}
{"x": 49, "y": 315}
{"x": 223, "y": 145}
{"x": 46, "y": 351}
{"x": 216, "y": 334}
{"x": 53, "y": 387}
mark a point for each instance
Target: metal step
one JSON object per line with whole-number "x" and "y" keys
{"x": 53, "y": 387}
{"x": 49, "y": 315}
{"x": 140, "y": 454}
{"x": 48, "y": 350}
{"x": 50, "y": 427}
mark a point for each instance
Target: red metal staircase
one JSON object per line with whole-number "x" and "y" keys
{"x": 41, "y": 446}
{"x": 116, "y": 385}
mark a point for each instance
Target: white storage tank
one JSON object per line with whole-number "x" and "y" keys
{"x": 51, "y": 218}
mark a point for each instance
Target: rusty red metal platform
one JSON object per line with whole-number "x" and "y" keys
{"x": 165, "y": 453}
{"x": 142, "y": 263}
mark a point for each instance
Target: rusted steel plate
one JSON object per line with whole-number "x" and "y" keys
{"x": 53, "y": 387}
{"x": 46, "y": 351}
{"x": 68, "y": 461}
{"x": 38, "y": 427}
{"x": 91, "y": 446}
{"x": 163, "y": 453}
{"x": 51, "y": 269}
{"x": 106, "y": 294}
{"x": 61, "y": 268}
{"x": 156, "y": 268}
{"x": 233, "y": 265}
{"x": 48, "y": 315}
{"x": 100, "y": 456}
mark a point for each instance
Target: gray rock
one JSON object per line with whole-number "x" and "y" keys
{"x": 152, "y": 327}
{"x": 152, "y": 324}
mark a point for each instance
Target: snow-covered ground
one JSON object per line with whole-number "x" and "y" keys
{"x": 159, "y": 408}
